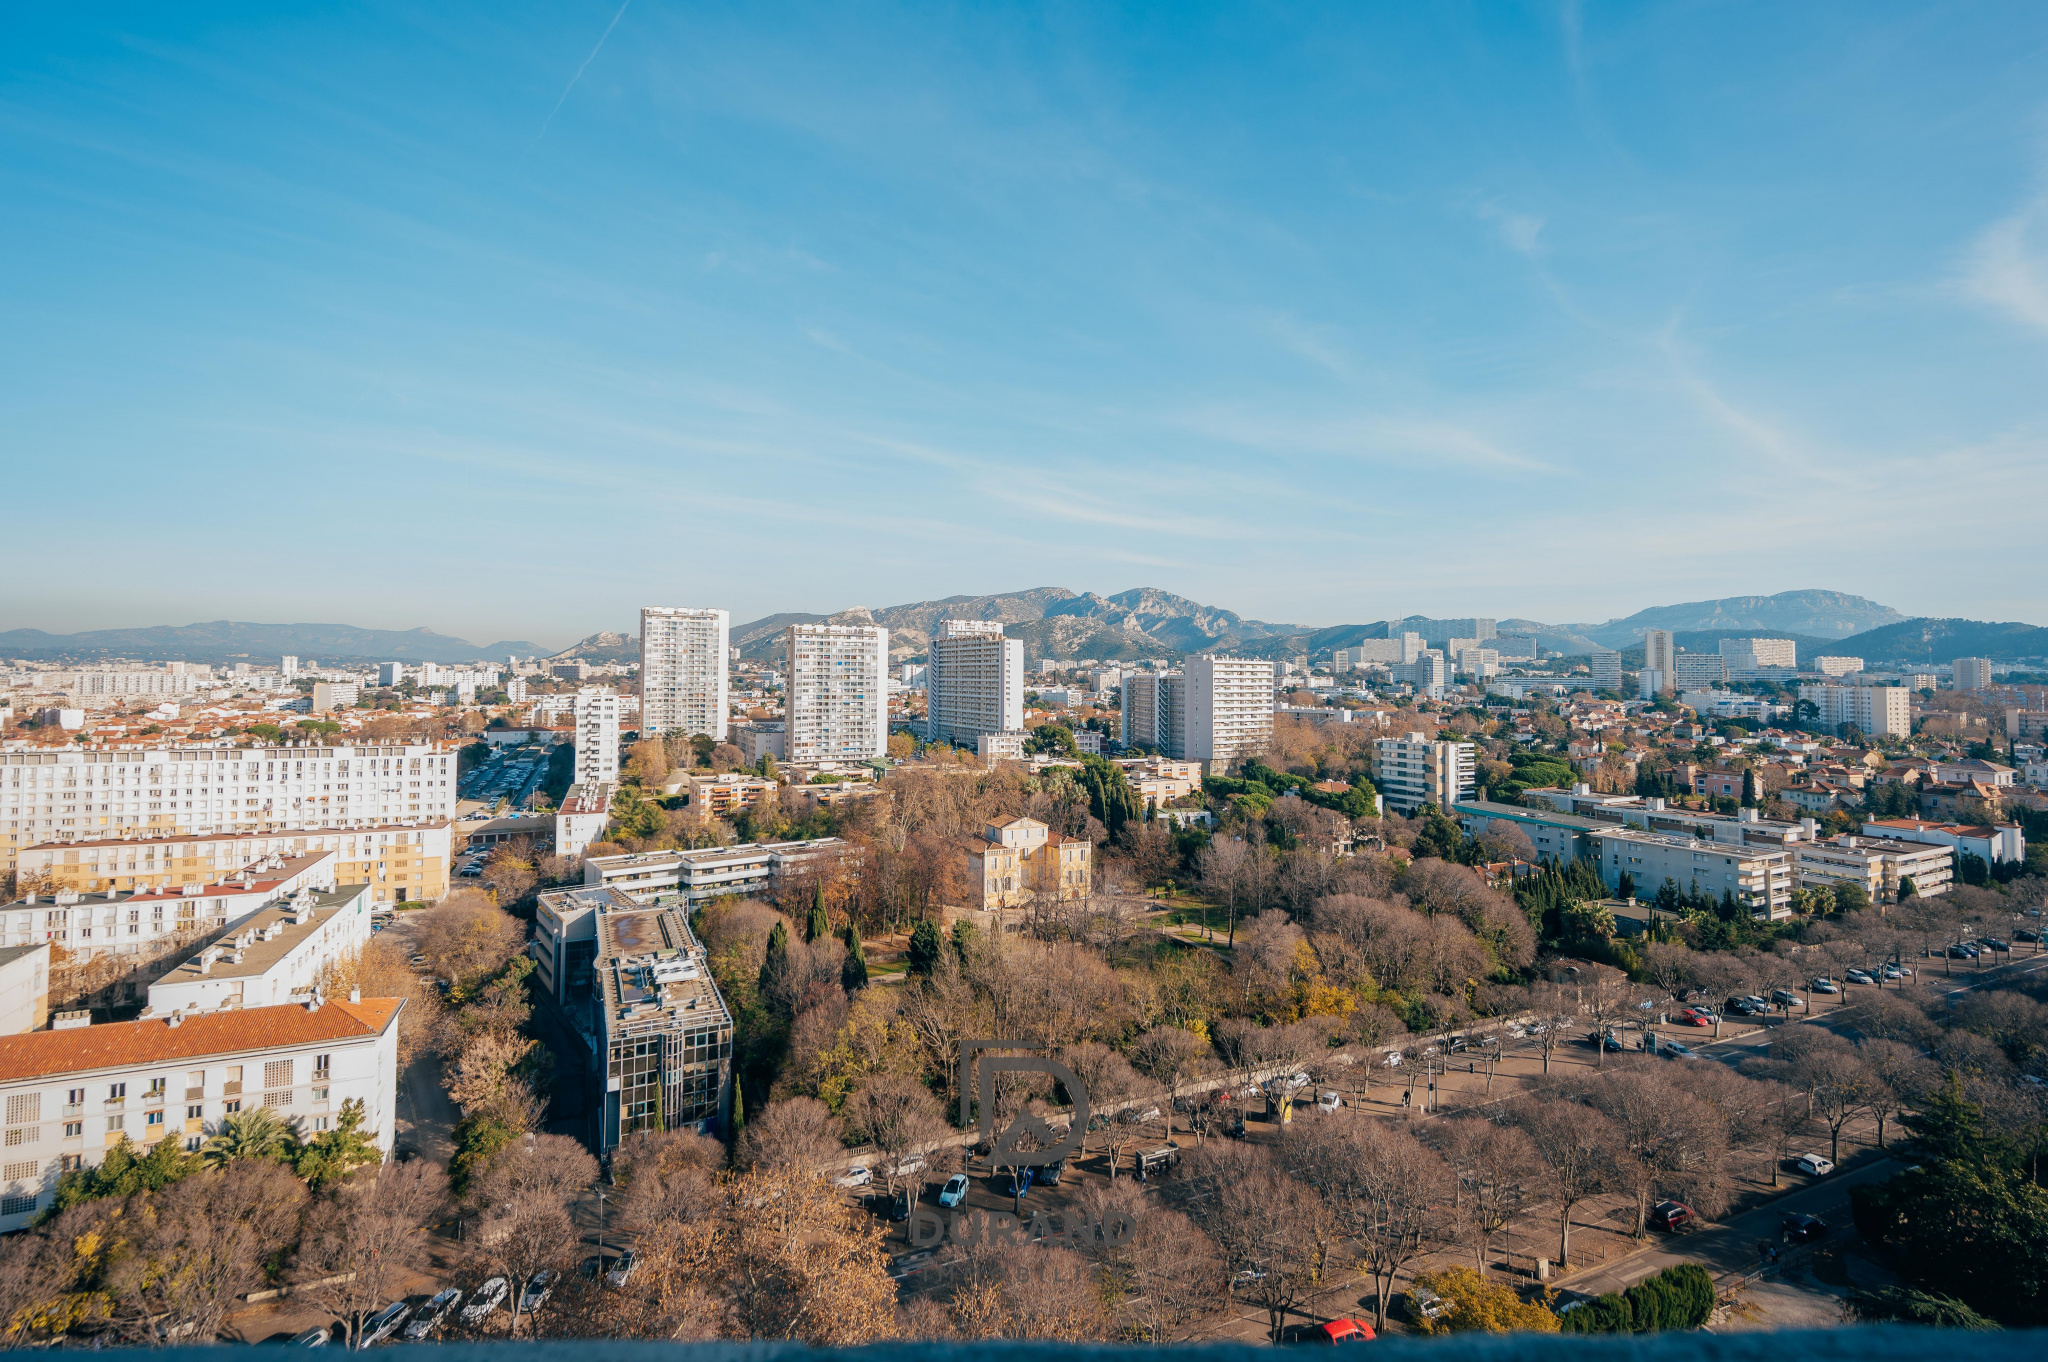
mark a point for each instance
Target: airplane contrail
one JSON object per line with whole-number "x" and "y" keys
{"x": 580, "y": 70}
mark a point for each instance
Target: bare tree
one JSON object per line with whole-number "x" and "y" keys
{"x": 1165, "y": 1054}
{"x": 1495, "y": 1165}
{"x": 899, "y": 1116}
{"x": 797, "y": 1132}
{"x": 361, "y": 1246}
{"x": 196, "y": 1245}
{"x": 1399, "y": 1201}
{"x": 1259, "y": 1218}
{"x": 1573, "y": 1141}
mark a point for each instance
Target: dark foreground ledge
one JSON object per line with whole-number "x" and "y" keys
{"x": 1864, "y": 1343}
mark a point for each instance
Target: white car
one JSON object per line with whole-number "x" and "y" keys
{"x": 1393, "y": 1059}
{"x": 539, "y": 1287}
{"x": 860, "y": 1175}
{"x": 1897, "y": 972}
{"x": 485, "y": 1302}
{"x": 432, "y": 1313}
{"x": 1860, "y": 976}
{"x": 1815, "y": 1165}
{"x": 913, "y": 1164}
{"x": 1329, "y": 1101}
{"x": 379, "y": 1326}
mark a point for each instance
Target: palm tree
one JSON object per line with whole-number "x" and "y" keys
{"x": 258, "y": 1133}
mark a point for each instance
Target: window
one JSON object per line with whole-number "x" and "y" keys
{"x": 117, "y": 1092}
{"x": 24, "y": 1107}
{"x": 74, "y": 1097}
{"x": 192, "y": 1142}
{"x": 319, "y": 1094}
{"x": 277, "y": 1074}
{"x": 17, "y": 1205}
{"x": 277, "y": 1099}
{"x": 73, "y": 1129}
{"x": 16, "y": 1172}
{"x": 115, "y": 1123}
{"x": 230, "y": 1108}
{"x": 319, "y": 1123}
{"x": 321, "y": 1065}
{"x": 195, "y": 1112}
{"x": 154, "y": 1118}
{"x": 156, "y": 1087}
{"x": 17, "y": 1135}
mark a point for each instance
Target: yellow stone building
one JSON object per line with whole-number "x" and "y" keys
{"x": 1018, "y": 859}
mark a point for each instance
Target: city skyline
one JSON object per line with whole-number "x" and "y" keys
{"x": 1187, "y": 299}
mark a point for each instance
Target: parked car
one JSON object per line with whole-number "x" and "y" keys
{"x": 1016, "y": 1182}
{"x": 1860, "y": 976}
{"x": 431, "y": 1314}
{"x": 1049, "y": 1174}
{"x": 1605, "y": 1040}
{"x": 1423, "y": 1303}
{"x": 1784, "y": 997}
{"x": 316, "y": 1337}
{"x": 1393, "y": 1059}
{"x": 899, "y": 1206}
{"x": 538, "y": 1288}
{"x": 1670, "y": 1216}
{"x": 1677, "y": 1050}
{"x": 379, "y": 1326}
{"x": 954, "y": 1192}
{"x": 1347, "y": 1331}
{"x": 1962, "y": 950}
{"x": 911, "y": 1165}
{"x": 1815, "y": 1165}
{"x": 1748, "y": 1006}
{"x": 1897, "y": 972}
{"x": 1329, "y": 1101}
{"x": 2026, "y": 934}
{"x": 486, "y": 1301}
{"x": 1992, "y": 943}
{"x": 1694, "y": 1016}
{"x": 1805, "y": 1228}
{"x": 1826, "y": 985}
{"x": 1133, "y": 1116}
{"x": 857, "y": 1176}
{"x": 622, "y": 1269}
{"x": 1245, "y": 1276}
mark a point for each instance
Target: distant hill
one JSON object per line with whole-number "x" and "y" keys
{"x": 1945, "y": 640}
{"x": 1822, "y": 614}
{"x": 602, "y": 646}
{"x": 1052, "y": 621}
{"x": 225, "y": 641}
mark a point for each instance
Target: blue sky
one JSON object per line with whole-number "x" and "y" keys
{"x": 385, "y": 314}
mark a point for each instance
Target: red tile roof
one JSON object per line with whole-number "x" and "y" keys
{"x": 135, "y": 1044}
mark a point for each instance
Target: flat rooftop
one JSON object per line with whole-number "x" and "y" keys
{"x": 262, "y": 942}
{"x": 264, "y": 878}
{"x": 653, "y": 974}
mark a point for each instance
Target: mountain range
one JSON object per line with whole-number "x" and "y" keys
{"x": 221, "y": 642}
{"x": 1822, "y": 614}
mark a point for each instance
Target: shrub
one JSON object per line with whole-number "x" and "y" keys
{"x": 1679, "y": 1297}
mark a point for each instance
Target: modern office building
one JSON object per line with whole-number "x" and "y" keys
{"x": 974, "y": 682}
{"x": 1875, "y": 711}
{"x": 1229, "y": 710}
{"x": 836, "y": 693}
{"x": 1413, "y": 770}
{"x": 597, "y": 735}
{"x": 73, "y": 1093}
{"x": 683, "y": 678}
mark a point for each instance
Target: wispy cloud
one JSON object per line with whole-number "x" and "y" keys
{"x": 1384, "y": 439}
{"x": 580, "y": 70}
{"x": 1518, "y": 231}
{"x": 2007, "y": 266}
{"x": 1316, "y": 344}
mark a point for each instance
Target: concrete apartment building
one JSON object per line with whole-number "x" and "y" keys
{"x": 1838, "y": 666}
{"x": 277, "y": 956}
{"x": 836, "y": 693}
{"x": 1879, "y": 864}
{"x": 723, "y": 795}
{"x": 1413, "y": 770}
{"x": 1971, "y": 673}
{"x": 974, "y": 682}
{"x": 713, "y": 872}
{"x": 995, "y": 747}
{"x": 1698, "y": 671}
{"x": 1606, "y": 670}
{"x": 757, "y": 739}
{"x": 1993, "y": 843}
{"x": 1748, "y": 654}
{"x": 83, "y": 794}
{"x": 1660, "y": 654}
{"x": 1877, "y": 711}
{"x": 1229, "y": 710}
{"x": 684, "y": 655}
{"x": 1138, "y": 711}
{"x": 582, "y": 816}
{"x": 24, "y": 988}
{"x": 1016, "y": 861}
{"x": 596, "y": 720}
{"x": 73, "y": 1093}
{"x": 1760, "y": 880}
{"x": 333, "y": 695}
{"x": 398, "y": 862}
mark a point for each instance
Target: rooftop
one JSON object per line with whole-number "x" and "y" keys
{"x": 260, "y": 879}
{"x": 143, "y": 838}
{"x": 258, "y": 946}
{"x": 127, "y": 1045}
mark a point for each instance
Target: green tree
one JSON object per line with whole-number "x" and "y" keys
{"x": 854, "y": 973}
{"x": 963, "y": 940}
{"x": 1052, "y": 740}
{"x": 257, "y": 1133}
{"x": 816, "y": 924}
{"x": 1110, "y": 796}
{"x": 926, "y": 946}
{"x": 122, "y": 1172}
{"x": 333, "y": 1154}
{"x": 776, "y": 962}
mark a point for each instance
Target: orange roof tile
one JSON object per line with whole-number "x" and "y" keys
{"x": 134, "y": 1044}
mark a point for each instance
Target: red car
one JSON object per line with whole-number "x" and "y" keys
{"x": 1348, "y": 1331}
{"x": 1692, "y": 1016}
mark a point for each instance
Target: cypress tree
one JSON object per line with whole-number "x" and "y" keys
{"x": 854, "y": 973}
{"x": 777, "y": 959}
{"x": 925, "y": 948}
{"x": 739, "y": 1113}
{"x": 816, "y": 925}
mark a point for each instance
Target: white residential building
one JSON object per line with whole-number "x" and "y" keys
{"x": 1760, "y": 879}
{"x": 1972, "y": 673}
{"x": 1650, "y": 684}
{"x": 1698, "y": 671}
{"x": 1877, "y": 711}
{"x": 597, "y": 736}
{"x": 335, "y": 695}
{"x": 1747, "y": 654}
{"x": 757, "y": 739}
{"x": 288, "y": 667}
{"x": 1139, "y": 709}
{"x": 1606, "y": 670}
{"x": 277, "y": 956}
{"x": 1229, "y": 710}
{"x": 24, "y": 988}
{"x": 582, "y": 816}
{"x": 72, "y": 1094}
{"x": 399, "y": 861}
{"x": 836, "y": 700}
{"x": 974, "y": 682}
{"x": 1838, "y": 666}
{"x": 684, "y": 685}
{"x": 1659, "y": 655}
{"x": 995, "y": 747}
{"x": 1413, "y": 770}
{"x": 1876, "y": 863}
{"x": 78, "y": 794}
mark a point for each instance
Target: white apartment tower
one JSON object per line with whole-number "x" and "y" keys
{"x": 1747, "y": 654}
{"x": 1229, "y": 709}
{"x": 1972, "y": 673}
{"x": 974, "y": 682}
{"x": 1660, "y": 654}
{"x": 1139, "y": 712}
{"x": 1413, "y": 770}
{"x": 597, "y": 735}
{"x": 1877, "y": 711}
{"x": 836, "y": 693}
{"x": 683, "y": 659}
